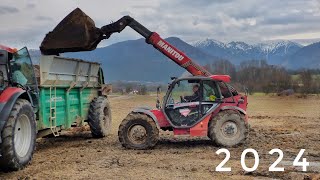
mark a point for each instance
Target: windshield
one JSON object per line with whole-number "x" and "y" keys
{"x": 184, "y": 89}
{"x": 22, "y": 69}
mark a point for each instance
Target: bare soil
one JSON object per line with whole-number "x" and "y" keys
{"x": 289, "y": 124}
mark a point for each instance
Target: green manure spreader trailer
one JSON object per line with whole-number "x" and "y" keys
{"x": 37, "y": 101}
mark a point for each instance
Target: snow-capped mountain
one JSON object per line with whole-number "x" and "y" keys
{"x": 207, "y": 42}
{"x": 275, "y": 52}
{"x": 239, "y": 46}
{"x": 271, "y": 46}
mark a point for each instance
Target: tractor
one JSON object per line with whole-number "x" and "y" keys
{"x": 204, "y": 105}
{"x": 64, "y": 93}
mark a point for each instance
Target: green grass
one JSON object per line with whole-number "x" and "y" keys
{"x": 296, "y": 77}
{"x": 258, "y": 94}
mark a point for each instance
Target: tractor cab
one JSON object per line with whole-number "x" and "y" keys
{"x": 22, "y": 69}
{"x": 16, "y": 70}
{"x": 188, "y": 100}
{"x": 5, "y": 57}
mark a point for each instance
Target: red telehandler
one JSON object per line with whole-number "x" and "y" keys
{"x": 213, "y": 108}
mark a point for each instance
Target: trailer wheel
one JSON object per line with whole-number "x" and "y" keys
{"x": 99, "y": 117}
{"x": 228, "y": 129}
{"x": 138, "y": 131}
{"x": 18, "y": 137}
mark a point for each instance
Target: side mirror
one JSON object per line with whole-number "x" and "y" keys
{"x": 158, "y": 99}
{"x": 246, "y": 91}
{"x": 4, "y": 57}
{"x": 1, "y": 79}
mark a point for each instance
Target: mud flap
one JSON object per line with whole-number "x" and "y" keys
{"x": 146, "y": 111}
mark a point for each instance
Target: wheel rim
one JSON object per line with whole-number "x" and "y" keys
{"x": 229, "y": 129}
{"x": 22, "y": 135}
{"x": 137, "y": 134}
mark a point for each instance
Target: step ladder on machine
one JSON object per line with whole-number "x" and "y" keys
{"x": 53, "y": 114}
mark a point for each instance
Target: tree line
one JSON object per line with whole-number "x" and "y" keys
{"x": 259, "y": 76}
{"x": 252, "y": 75}
{"x": 125, "y": 87}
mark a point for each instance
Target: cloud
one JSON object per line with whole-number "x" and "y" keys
{"x": 245, "y": 20}
{"x": 8, "y": 10}
{"x": 224, "y": 20}
{"x": 43, "y": 18}
{"x": 22, "y": 37}
{"x": 30, "y": 5}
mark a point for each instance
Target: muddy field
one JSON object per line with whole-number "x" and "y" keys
{"x": 289, "y": 124}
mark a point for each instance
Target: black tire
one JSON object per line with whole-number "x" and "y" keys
{"x": 99, "y": 117}
{"x": 21, "y": 123}
{"x": 228, "y": 129}
{"x": 150, "y": 134}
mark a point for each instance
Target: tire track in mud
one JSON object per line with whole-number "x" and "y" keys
{"x": 275, "y": 117}
{"x": 290, "y": 133}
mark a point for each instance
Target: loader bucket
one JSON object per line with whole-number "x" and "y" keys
{"x": 76, "y": 32}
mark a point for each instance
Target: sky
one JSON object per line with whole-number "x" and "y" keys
{"x": 25, "y": 22}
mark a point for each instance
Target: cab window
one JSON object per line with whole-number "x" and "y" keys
{"x": 210, "y": 95}
{"x": 210, "y": 91}
{"x": 224, "y": 90}
{"x": 22, "y": 69}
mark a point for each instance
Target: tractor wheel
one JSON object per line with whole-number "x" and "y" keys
{"x": 18, "y": 137}
{"x": 99, "y": 117}
{"x": 138, "y": 131}
{"x": 228, "y": 129}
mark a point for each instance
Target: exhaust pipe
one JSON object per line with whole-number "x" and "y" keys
{"x": 76, "y": 32}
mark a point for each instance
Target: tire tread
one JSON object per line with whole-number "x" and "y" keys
{"x": 123, "y": 130}
{"x": 8, "y": 160}
{"x": 219, "y": 117}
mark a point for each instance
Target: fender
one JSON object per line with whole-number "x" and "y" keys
{"x": 146, "y": 111}
{"x": 7, "y": 100}
{"x": 234, "y": 108}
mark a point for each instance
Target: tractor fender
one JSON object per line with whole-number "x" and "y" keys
{"x": 7, "y": 100}
{"x": 234, "y": 108}
{"x": 146, "y": 111}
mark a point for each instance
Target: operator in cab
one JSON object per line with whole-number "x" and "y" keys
{"x": 195, "y": 96}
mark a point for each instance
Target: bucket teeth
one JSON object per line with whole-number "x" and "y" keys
{"x": 76, "y": 32}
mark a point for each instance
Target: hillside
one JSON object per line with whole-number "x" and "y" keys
{"x": 307, "y": 57}
{"x": 135, "y": 60}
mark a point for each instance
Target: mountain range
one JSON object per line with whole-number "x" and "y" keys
{"x": 275, "y": 53}
{"x": 134, "y": 60}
